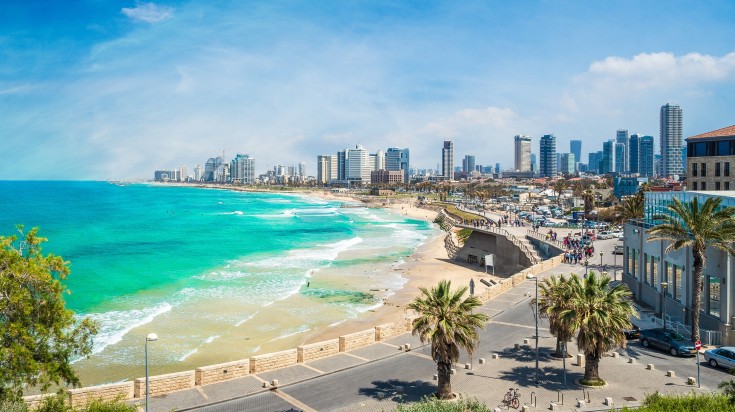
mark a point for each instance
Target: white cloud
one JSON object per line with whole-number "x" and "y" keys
{"x": 148, "y": 12}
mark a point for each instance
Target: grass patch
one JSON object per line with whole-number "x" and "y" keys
{"x": 463, "y": 235}
{"x": 592, "y": 382}
{"x": 431, "y": 404}
{"x": 452, "y": 209}
{"x": 685, "y": 403}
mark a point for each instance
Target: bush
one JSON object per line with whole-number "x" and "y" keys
{"x": 431, "y": 404}
{"x": 58, "y": 404}
{"x": 13, "y": 406}
{"x": 685, "y": 403}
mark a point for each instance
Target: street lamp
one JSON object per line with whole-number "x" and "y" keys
{"x": 615, "y": 265}
{"x": 586, "y": 263}
{"x": 664, "y": 286}
{"x": 152, "y": 337}
{"x": 530, "y": 276}
{"x": 601, "y": 261}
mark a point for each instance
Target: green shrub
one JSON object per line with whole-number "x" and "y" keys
{"x": 13, "y": 406}
{"x": 686, "y": 403}
{"x": 108, "y": 406}
{"x": 431, "y": 404}
{"x": 54, "y": 404}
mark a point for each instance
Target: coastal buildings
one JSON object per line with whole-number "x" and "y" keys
{"x": 547, "y": 156}
{"x": 323, "y": 169}
{"x": 566, "y": 164}
{"x": 468, "y": 164}
{"x": 242, "y": 169}
{"x": 522, "y": 153}
{"x": 213, "y": 169}
{"x": 621, "y": 151}
{"x": 398, "y": 159}
{"x": 358, "y": 165}
{"x": 575, "y": 147}
{"x": 710, "y": 157}
{"x": 671, "y": 140}
{"x": 634, "y": 150}
{"x": 646, "y": 156}
{"x": 448, "y": 160}
{"x": 607, "y": 163}
{"x": 198, "y": 173}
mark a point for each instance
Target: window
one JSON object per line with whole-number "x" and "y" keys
{"x": 703, "y": 166}
{"x": 727, "y": 185}
{"x": 694, "y": 185}
{"x": 654, "y": 271}
{"x": 646, "y": 267}
{"x": 694, "y": 169}
{"x": 704, "y": 185}
{"x": 717, "y": 169}
{"x": 714, "y": 296}
{"x": 632, "y": 262}
{"x": 727, "y": 169}
{"x": 678, "y": 281}
{"x": 723, "y": 148}
{"x": 668, "y": 277}
{"x": 700, "y": 149}
{"x": 717, "y": 185}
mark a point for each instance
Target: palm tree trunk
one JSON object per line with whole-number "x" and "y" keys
{"x": 444, "y": 390}
{"x": 592, "y": 366}
{"x": 558, "y": 353}
{"x": 699, "y": 262}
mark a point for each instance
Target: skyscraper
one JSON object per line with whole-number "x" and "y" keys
{"x": 358, "y": 165}
{"x": 646, "y": 165}
{"x": 398, "y": 159}
{"x": 671, "y": 140}
{"x": 448, "y": 160}
{"x": 547, "y": 156}
{"x": 621, "y": 137}
{"x": 566, "y": 165}
{"x": 607, "y": 164}
{"x": 342, "y": 165}
{"x": 634, "y": 154}
{"x": 323, "y": 169}
{"x": 620, "y": 157}
{"x": 575, "y": 146}
{"x": 468, "y": 164}
{"x": 593, "y": 162}
{"x": 242, "y": 169}
{"x": 522, "y": 153}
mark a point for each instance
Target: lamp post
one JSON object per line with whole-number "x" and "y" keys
{"x": 530, "y": 276}
{"x": 152, "y": 337}
{"x": 664, "y": 286}
{"x": 615, "y": 265}
{"x": 586, "y": 263}
{"x": 601, "y": 261}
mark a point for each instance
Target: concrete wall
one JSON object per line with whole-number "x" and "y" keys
{"x": 356, "y": 340}
{"x": 270, "y": 361}
{"x": 387, "y": 331}
{"x": 314, "y": 351}
{"x": 221, "y": 372}
{"x": 161, "y": 384}
{"x": 81, "y": 396}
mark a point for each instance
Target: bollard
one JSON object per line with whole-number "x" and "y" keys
{"x": 525, "y": 408}
{"x": 650, "y": 367}
{"x": 615, "y": 354}
{"x": 266, "y": 385}
{"x": 581, "y": 403}
{"x": 407, "y": 347}
{"x": 671, "y": 374}
{"x": 453, "y": 372}
{"x": 436, "y": 376}
{"x": 553, "y": 407}
{"x": 517, "y": 346}
{"x": 608, "y": 401}
{"x": 400, "y": 347}
{"x": 525, "y": 341}
{"x": 631, "y": 360}
{"x": 691, "y": 380}
{"x": 496, "y": 410}
{"x": 580, "y": 360}
{"x": 274, "y": 383}
{"x": 495, "y": 356}
{"x": 467, "y": 366}
{"x": 482, "y": 361}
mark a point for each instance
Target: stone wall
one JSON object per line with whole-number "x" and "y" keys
{"x": 81, "y": 396}
{"x": 222, "y": 372}
{"x": 161, "y": 384}
{"x": 387, "y": 331}
{"x": 314, "y": 351}
{"x": 356, "y": 340}
{"x": 270, "y": 361}
{"x": 34, "y": 401}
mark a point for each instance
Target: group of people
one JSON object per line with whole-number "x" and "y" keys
{"x": 575, "y": 256}
{"x": 551, "y": 235}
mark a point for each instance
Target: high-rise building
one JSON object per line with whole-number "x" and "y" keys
{"x": 342, "y": 165}
{"x": 198, "y": 173}
{"x": 646, "y": 165}
{"x": 710, "y": 157}
{"x": 398, "y": 159}
{"x": 302, "y": 169}
{"x": 377, "y": 160}
{"x": 448, "y": 160}
{"x": 534, "y": 163}
{"x": 566, "y": 165}
{"x": 211, "y": 167}
{"x": 607, "y": 163}
{"x": 323, "y": 169}
{"x": 575, "y": 146}
{"x": 671, "y": 140}
{"x": 468, "y": 164}
{"x": 183, "y": 173}
{"x": 522, "y": 153}
{"x": 621, "y": 137}
{"x": 620, "y": 158}
{"x": 547, "y": 156}
{"x": 358, "y": 165}
{"x": 242, "y": 169}
{"x": 593, "y": 162}
{"x": 634, "y": 153}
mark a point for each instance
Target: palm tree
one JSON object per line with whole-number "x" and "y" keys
{"x": 447, "y": 321}
{"x": 600, "y": 312}
{"x": 689, "y": 225}
{"x": 558, "y": 187}
{"x": 589, "y": 202}
{"x": 630, "y": 208}
{"x": 554, "y": 299}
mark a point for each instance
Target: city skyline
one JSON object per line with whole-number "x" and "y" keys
{"x": 116, "y": 90}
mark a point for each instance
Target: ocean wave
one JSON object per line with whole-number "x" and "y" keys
{"x": 116, "y": 324}
{"x": 307, "y": 258}
{"x": 291, "y": 332}
{"x": 236, "y": 212}
{"x": 187, "y": 354}
{"x": 247, "y": 319}
{"x": 195, "y": 350}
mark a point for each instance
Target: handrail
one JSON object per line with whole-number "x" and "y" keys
{"x": 508, "y": 236}
{"x": 538, "y": 235}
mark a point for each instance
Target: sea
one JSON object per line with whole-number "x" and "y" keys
{"x": 218, "y": 275}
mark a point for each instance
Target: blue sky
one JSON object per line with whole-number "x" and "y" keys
{"x": 104, "y": 89}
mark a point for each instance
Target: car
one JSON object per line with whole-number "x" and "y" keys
{"x": 605, "y": 234}
{"x": 633, "y": 333}
{"x": 667, "y": 340}
{"x": 618, "y": 250}
{"x": 724, "y": 356}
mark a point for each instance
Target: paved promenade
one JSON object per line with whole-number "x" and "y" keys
{"x": 379, "y": 377}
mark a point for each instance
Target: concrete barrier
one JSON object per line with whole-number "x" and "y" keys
{"x": 356, "y": 340}
{"x": 82, "y": 396}
{"x": 167, "y": 383}
{"x": 671, "y": 374}
{"x": 580, "y": 360}
{"x": 318, "y": 350}
{"x": 387, "y": 331}
{"x": 206, "y": 375}
{"x": 270, "y": 361}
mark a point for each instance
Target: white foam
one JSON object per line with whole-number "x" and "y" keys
{"x": 236, "y": 212}
{"x": 291, "y": 332}
{"x": 247, "y": 319}
{"x": 116, "y": 324}
{"x": 307, "y": 258}
{"x": 337, "y": 323}
{"x": 187, "y": 354}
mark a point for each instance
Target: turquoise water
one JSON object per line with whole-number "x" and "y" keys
{"x": 141, "y": 252}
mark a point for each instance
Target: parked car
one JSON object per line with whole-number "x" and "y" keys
{"x": 724, "y": 356}
{"x": 632, "y": 333}
{"x": 605, "y": 234}
{"x": 668, "y": 340}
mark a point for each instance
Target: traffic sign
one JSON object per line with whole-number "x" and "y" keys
{"x": 698, "y": 345}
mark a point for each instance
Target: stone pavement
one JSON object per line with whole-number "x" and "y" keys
{"x": 379, "y": 377}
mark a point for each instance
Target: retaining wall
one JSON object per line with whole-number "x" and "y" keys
{"x": 161, "y": 384}
{"x": 270, "y": 361}
{"x": 388, "y": 330}
{"x": 81, "y": 396}
{"x": 221, "y": 372}
{"x": 314, "y": 351}
{"x": 356, "y": 340}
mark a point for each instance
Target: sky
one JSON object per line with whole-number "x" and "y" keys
{"x": 114, "y": 89}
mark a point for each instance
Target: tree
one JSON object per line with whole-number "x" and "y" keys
{"x": 689, "y": 225}
{"x": 600, "y": 312}
{"x": 39, "y": 337}
{"x": 630, "y": 208}
{"x": 447, "y": 321}
{"x": 554, "y": 299}
{"x": 589, "y": 202}
{"x": 559, "y": 186}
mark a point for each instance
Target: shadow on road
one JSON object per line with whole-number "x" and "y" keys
{"x": 399, "y": 390}
{"x": 550, "y": 378}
